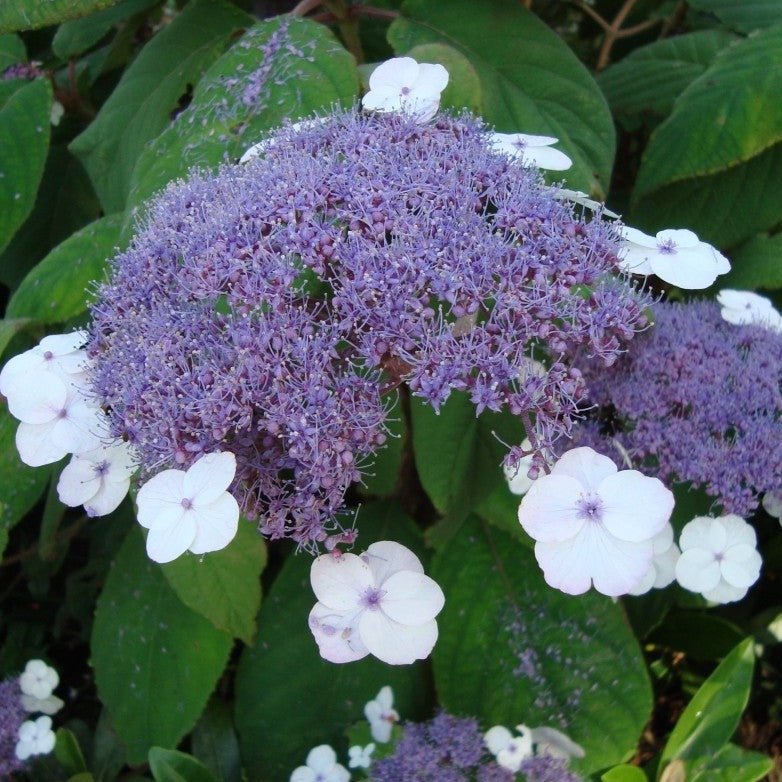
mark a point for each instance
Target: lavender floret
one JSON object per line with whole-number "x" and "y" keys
{"x": 12, "y": 715}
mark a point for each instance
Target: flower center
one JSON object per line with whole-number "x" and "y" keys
{"x": 101, "y": 469}
{"x": 372, "y": 597}
{"x": 48, "y": 355}
{"x": 667, "y": 247}
{"x": 186, "y": 503}
{"x": 590, "y": 507}
{"x": 405, "y": 91}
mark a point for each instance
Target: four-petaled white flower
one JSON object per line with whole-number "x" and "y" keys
{"x": 772, "y": 504}
{"x": 360, "y": 757}
{"x": 381, "y": 715}
{"x": 719, "y": 558}
{"x": 662, "y": 571}
{"x": 532, "y": 150}
{"x": 582, "y": 199}
{"x": 37, "y": 683}
{"x": 190, "y": 510}
{"x": 35, "y": 738}
{"x": 98, "y": 479}
{"x": 518, "y": 480}
{"x": 594, "y": 524}
{"x": 747, "y": 308}
{"x": 676, "y": 256}
{"x": 554, "y": 743}
{"x": 402, "y": 84}
{"x": 321, "y": 766}
{"x": 380, "y": 603}
{"x": 509, "y": 750}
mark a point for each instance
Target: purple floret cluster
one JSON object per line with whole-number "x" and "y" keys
{"x": 272, "y": 309}
{"x": 12, "y": 715}
{"x": 698, "y": 400}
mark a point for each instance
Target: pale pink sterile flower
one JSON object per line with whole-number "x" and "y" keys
{"x": 380, "y": 603}
{"x": 98, "y": 479}
{"x": 36, "y": 737}
{"x": 662, "y": 571}
{"x": 510, "y": 751}
{"x": 190, "y": 510}
{"x": 321, "y": 766}
{"x": 747, "y": 308}
{"x": 675, "y": 255}
{"x": 402, "y": 84}
{"x": 772, "y": 504}
{"x": 719, "y": 558}
{"x": 594, "y": 524}
{"x": 381, "y": 715}
{"x": 531, "y": 150}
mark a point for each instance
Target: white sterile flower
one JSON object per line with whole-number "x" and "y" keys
{"x": 190, "y": 510}
{"x": 772, "y": 504}
{"x": 402, "y": 84}
{"x": 747, "y": 308}
{"x": 582, "y": 199}
{"x": 593, "y": 523}
{"x": 554, "y": 743}
{"x": 381, "y": 715}
{"x": 380, "y": 603}
{"x": 719, "y": 558}
{"x": 35, "y": 738}
{"x": 676, "y": 256}
{"x": 321, "y": 766}
{"x": 534, "y": 150}
{"x": 56, "y": 419}
{"x": 662, "y": 571}
{"x": 509, "y": 750}
{"x": 98, "y": 479}
{"x": 38, "y": 679}
{"x": 517, "y": 478}
{"x": 360, "y": 757}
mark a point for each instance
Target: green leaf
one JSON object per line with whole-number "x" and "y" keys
{"x": 650, "y": 78}
{"x": 20, "y": 486}
{"x": 55, "y": 290}
{"x": 698, "y": 634}
{"x": 68, "y": 752}
{"x": 730, "y": 764}
{"x": 727, "y": 116}
{"x": 714, "y": 712}
{"x": 29, "y": 14}
{"x": 624, "y": 773}
{"x": 141, "y": 105}
{"x": 464, "y": 85}
{"x": 531, "y": 82}
{"x": 512, "y": 648}
{"x": 224, "y": 586}
{"x": 73, "y": 38}
{"x": 458, "y": 455}
{"x": 317, "y": 699}
{"x": 156, "y": 661}
{"x": 744, "y": 16}
{"x": 214, "y": 742}
{"x": 168, "y": 765}
{"x": 383, "y": 474}
{"x": 24, "y": 139}
{"x": 756, "y": 264}
{"x": 281, "y": 68}
{"x": 10, "y": 328}
{"x": 12, "y": 51}
{"x": 723, "y": 208}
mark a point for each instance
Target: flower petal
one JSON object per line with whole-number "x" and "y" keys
{"x": 725, "y": 593}
{"x": 160, "y": 500}
{"x": 549, "y": 512}
{"x": 166, "y": 544}
{"x": 394, "y": 643}
{"x": 396, "y": 72}
{"x": 635, "y": 507}
{"x": 411, "y": 598}
{"x": 686, "y": 269}
{"x": 497, "y": 739}
{"x": 13, "y": 378}
{"x": 585, "y": 465}
{"x": 108, "y": 498}
{"x": 43, "y": 395}
{"x": 322, "y": 758}
{"x": 336, "y": 634}
{"x": 387, "y": 557}
{"x": 741, "y": 566}
{"x": 432, "y": 79}
{"x": 62, "y": 344}
{"x": 697, "y": 570}
{"x": 35, "y": 445}
{"x": 216, "y": 524}
{"x": 548, "y": 158}
{"x": 339, "y": 582}
{"x": 209, "y": 477}
{"x": 78, "y": 482}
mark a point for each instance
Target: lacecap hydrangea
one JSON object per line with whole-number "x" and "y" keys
{"x": 271, "y": 309}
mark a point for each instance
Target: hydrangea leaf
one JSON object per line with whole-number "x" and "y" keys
{"x": 701, "y": 635}
{"x": 224, "y": 586}
{"x": 281, "y": 68}
{"x": 168, "y": 765}
{"x": 55, "y": 289}
{"x": 624, "y": 773}
{"x": 319, "y": 698}
{"x": 756, "y": 264}
{"x": 12, "y": 51}
{"x": 156, "y": 661}
{"x": 458, "y": 454}
{"x": 714, "y": 712}
{"x": 149, "y": 92}
{"x": 382, "y": 477}
{"x": 24, "y": 140}
{"x": 464, "y": 85}
{"x": 9, "y": 328}
{"x": 214, "y": 741}
{"x": 730, "y": 764}
{"x": 648, "y": 81}
{"x": 26, "y": 15}
{"x": 727, "y": 116}
{"x": 531, "y": 82}
{"x": 513, "y": 649}
{"x": 745, "y": 16}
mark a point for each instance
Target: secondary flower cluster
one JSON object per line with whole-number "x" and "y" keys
{"x": 267, "y": 310}
{"x": 698, "y": 399}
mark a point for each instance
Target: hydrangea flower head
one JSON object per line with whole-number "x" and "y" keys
{"x": 670, "y": 409}
{"x": 719, "y": 558}
{"x": 532, "y": 150}
{"x": 402, "y": 84}
{"x": 593, "y": 524}
{"x": 380, "y": 603}
{"x": 321, "y": 766}
{"x": 12, "y": 716}
{"x": 270, "y": 309}
{"x": 675, "y": 255}
{"x": 746, "y": 307}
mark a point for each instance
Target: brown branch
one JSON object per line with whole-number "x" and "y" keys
{"x": 369, "y": 10}
{"x": 63, "y": 538}
{"x": 611, "y": 35}
{"x": 303, "y": 7}
{"x": 637, "y": 28}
